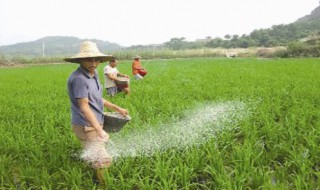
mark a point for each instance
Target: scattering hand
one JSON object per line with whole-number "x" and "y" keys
{"x": 103, "y": 136}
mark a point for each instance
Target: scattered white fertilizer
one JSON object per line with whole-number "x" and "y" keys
{"x": 197, "y": 127}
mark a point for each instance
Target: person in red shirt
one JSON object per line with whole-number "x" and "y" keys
{"x": 137, "y": 70}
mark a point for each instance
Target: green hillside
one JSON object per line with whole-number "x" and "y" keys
{"x": 276, "y": 35}
{"x": 54, "y": 46}
{"x": 315, "y": 15}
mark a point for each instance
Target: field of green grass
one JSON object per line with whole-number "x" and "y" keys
{"x": 275, "y": 145}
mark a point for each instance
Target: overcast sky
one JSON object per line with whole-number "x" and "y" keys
{"x": 134, "y": 22}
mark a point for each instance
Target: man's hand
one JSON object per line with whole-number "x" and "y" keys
{"x": 114, "y": 107}
{"x": 102, "y": 135}
{"x": 123, "y": 112}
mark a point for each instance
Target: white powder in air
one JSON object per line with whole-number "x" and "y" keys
{"x": 197, "y": 127}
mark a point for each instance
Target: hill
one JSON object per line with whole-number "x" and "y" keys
{"x": 54, "y": 46}
{"x": 276, "y": 35}
{"x": 315, "y": 14}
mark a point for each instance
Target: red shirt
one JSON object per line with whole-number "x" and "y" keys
{"x": 136, "y": 66}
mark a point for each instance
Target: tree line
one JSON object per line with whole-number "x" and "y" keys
{"x": 277, "y": 35}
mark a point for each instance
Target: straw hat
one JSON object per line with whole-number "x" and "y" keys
{"x": 88, "y": 49}
{"x": 136, "y": 57}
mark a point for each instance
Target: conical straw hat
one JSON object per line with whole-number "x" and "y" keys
{"x": 88, "y": 49}
{"x": 137, "y": 57}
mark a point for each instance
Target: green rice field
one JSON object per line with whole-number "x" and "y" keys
{"x": 210, "y": 123}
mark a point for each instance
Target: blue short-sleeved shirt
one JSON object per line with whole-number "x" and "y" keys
{"x": 82, "y": 85}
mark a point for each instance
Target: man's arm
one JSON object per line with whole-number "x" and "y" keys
{"x": 111, "y": 76}
{"x": 91, "y": 118}
{"x": 123, "y": 75}
{"x": 114, "y": 107}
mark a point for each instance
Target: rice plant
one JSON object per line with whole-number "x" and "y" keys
{"x": 204, "y": 123}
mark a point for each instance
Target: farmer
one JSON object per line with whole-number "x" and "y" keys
{"x": 85, "y": 93}
{"x": 137, "y": 70}
{"x": 111, "y": 75}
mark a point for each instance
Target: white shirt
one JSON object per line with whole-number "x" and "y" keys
{"x": 109, "y": 70}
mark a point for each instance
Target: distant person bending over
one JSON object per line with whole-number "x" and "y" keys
{"x": 85, "y": 93}
{"x": 137, "y": 70}
{"x": 111, "y": 75}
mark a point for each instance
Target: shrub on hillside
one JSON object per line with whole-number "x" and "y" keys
{"x": 299, "y": 49}
{"x": 270, "y": 52}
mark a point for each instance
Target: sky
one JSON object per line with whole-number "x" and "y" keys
{"x": 143, "y": 22}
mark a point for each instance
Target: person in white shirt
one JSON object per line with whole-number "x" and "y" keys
{"x": 111, "y": 75}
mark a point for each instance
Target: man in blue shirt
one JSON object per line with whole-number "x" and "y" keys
{"x": 87, "y": 103}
